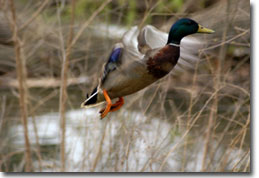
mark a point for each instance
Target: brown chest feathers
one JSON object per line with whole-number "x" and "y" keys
{"x": 164, "y": 61}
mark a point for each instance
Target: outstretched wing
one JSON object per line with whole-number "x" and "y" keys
{"x": 130, "y": 43}
{"x": 122, "y": 56}
{"x": 123, "y": 53}
{"x": 152, "y": 38}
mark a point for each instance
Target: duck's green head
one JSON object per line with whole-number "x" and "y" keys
{"x": 184, "y": 27}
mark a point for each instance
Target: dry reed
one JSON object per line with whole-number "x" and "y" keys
{"x": 21, "y": 75}
{"x": 205, "y": 113}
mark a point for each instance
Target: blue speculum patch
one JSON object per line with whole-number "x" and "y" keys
{"x": 115, "y": 55}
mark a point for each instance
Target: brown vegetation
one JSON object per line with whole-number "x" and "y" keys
{"x": 51, "y": 53}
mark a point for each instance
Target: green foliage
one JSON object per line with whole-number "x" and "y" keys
{"x": 176, "y": 5}
{"x": 80, "y": 7}
{"x": 84, "y": 9}
{"x": 131, "y": 14}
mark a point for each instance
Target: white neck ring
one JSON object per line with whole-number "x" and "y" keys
{"x": 173, "y": 44}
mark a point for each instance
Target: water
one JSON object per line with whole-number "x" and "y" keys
{"x": 131, "y": 141}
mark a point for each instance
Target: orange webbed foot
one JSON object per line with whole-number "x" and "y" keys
{"x": 117, "y": 105}
{"x": 110, "y": 107}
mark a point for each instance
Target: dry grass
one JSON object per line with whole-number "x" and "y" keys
{"x": 197, "y": 121}
{"x": 21, "y": 75}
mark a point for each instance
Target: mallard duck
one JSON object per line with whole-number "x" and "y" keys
{"x": 142, "y": 58}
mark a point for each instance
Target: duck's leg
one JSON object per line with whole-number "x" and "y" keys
{"x": 108, "y": 106}
{"x": 117, "y": 105}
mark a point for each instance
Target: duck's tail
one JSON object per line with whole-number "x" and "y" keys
{"x": 91, "y": 100}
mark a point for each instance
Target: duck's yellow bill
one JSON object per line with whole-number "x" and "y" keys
{"x": 202, "y": 29}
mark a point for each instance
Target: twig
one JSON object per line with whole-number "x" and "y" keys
{"x": 3, "y": 110}
{"x": 35, "y": 129}
{"x": 225, "y": 42}
{"x": 247, "y": 154}
{"x": 36, "y": 13}
{"x": 217, "y": 81}
{"x": 247, "y": 164}
{"x": 63, "y": 90}
{"x": 63, "y": 94}
{"x": 43, "y": 82}
{"x": 21, "y": 75}
{"x": 99, "y": 153}
{"x": 224, "y": 132}
{"x": 42, "y": 101}
{"x": 86, "y": 24}
{"x": 194, "y": 80}
{"x": 147, "y": 13}
{"x": 186, "y": 132}
{"x": 208, "y": 135}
